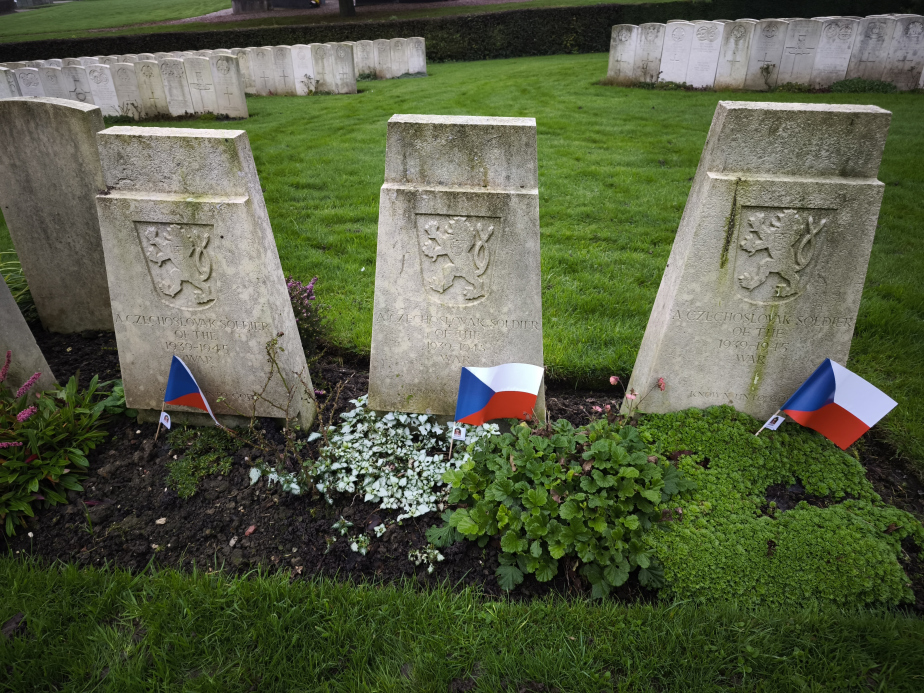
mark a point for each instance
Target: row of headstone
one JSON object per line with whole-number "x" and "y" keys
{"x": 760, "y": 55}
{"x": 161, "y": 234}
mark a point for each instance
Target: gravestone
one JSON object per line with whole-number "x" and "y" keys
{"x": 49, "y": 176}
{"x": 103, "y": 90}
{"x": 381, "y": 53}
{"x": 109, "y": 60}
{"x": 322, "y": 60}
{"x": 131, "y": 103}
{"x": 798, "y": 60}
{"x": 16, "y": 66}
{"x": 229, "y": 86}
{"x": 344, "y": 71}
{"x": 53, "y": 82}
{"x": 285, "y": 72}
{"x": 193, "y": 271}
{"x": 906, "y": 54}
{"x": 54, "y": 62}
{"x": 416, "y": 55}
{"x": 151, "y": 86}
{"x": 176, "y": 87}
{"x": 678, "y": 39}
{"x": 834, "y": 49}
{"x": 871, "y": 48}
{"x": 163, "y": 56}
{"x": 648, "y": 52}
{"x": 623, "y": 43}
{"x": 201, "y": 85}
{"x": 35, "y": 63}
{"x": 8, "y": 86}
{"x": 732, "y": 68}
{"x": 29, "y": 82}
{"x": 364, "y": 59}
{"x": 704, "y": 54}
{"x": 264, "y": 71}
{"x": 146, "y": 57}
{"x": 766, "y": 273}
{"x": 86, "y": 61}
{"x": 457, "y": 279}
{"x": 303, "y": 69}
{"x": 206, "y": 53}
{"x": 130, "y": 58}
{"x": 15, "y": 336}
{"x": 246, "y": 66}
{"x": 399, "y": 63}
{"x": 77, "y": 84}
{"x": 766, "y": 55}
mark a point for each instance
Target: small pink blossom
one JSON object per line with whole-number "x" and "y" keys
{"x": 614, "y": 380}
{"x": 597, "y": 409}
{"x": 661, "y": 384}
{"x": 26, "y": 386}
{"x": 10, "y": 445}
{"x": 6, "y": 366}
{"x": 631, "y": 394}
{"x": 26, "y": 413}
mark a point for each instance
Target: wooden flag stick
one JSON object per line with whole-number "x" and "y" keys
{"x": 452, "y": 441}
{"x": 778, "y": 411}
{"x": 159, "y": 418}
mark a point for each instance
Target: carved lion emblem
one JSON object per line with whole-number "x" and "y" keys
{"x": 456, "y": 248}
{"x": 782, "y": 243}
{"x": 179, "y": 263}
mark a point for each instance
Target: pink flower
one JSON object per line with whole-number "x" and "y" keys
{"x": 11, "y": 445}
{"x": 319, "y": 393}
{"x": 26, "y": 413}
{"x": 661, "y": 384}
{"x": 606, "y": 408}
{"x": 597, "y": 409}
{"x": 614, "y": 380}
{"x": 6, "y": 366}
{"x": 631, "y": 394}
{"x": 26, "y": 386}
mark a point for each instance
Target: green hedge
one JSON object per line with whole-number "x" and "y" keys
{"x": 546, "y": 31}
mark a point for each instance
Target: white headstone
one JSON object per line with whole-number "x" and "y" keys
{"x": 766, "y": 274}
{"x": 906, "y": 54}
{"x": 381, "y": 53}
{"x": 229, "y": 86}
{"x": 416, "y": 56}
{"x": 103, "y": 90}
{"x": 87, "y": 61}
{"x": 72, "y": 62}
{"x": 151, "y": 86}
{"x": 53, "y": 82}
{"x": 16, "y": 337}
{"x": 131, "y": 102}
{"x": 176, "y": 87}
{"x": 77, "y": 84}
{"x": 322, "y": 59}
{"x": 704, "y": 54}
{"x": 8, "y": 86}
{"x": 623, "y": 43}
{"x": 16, "y": 66}
{"x": 732, "y": 68}
{"x": 344, "y": 70}
{"x": 678, "y": 39}
{"x": 399, "y": 61}
{"x": 648, "y": 52}
{"x": 194, "y": 271}
{"x": 285, "y": 71}
{"x": 245, "y": 58}
{"x": 163, "y": 56}
{"x": 49, "y": 176}
{"x": 29, "y": 82}
{"x": 201, "y": 86}
{"x": 264, "y": 71}
{"x": 110, "y": 59}
{"x": 871, "y": 48}
{"x": 802, "y": 37}
{"x": 54, "y": 62}
{"x": 834, "y": 49}
{"x": 35, "y": 63}
{"x": 766, "y": 55}
{"x": 147, "y": 57}
{"x": 129, "y": 58}
{"x": 303, "y": 69}
{"x": 457, "y": 278}
{"x": 364, "y": 58}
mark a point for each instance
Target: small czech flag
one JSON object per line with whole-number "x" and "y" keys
{"x": 184, "y": 391}
{"x": 840, "y": 405}
{"x": 508, "y": 391}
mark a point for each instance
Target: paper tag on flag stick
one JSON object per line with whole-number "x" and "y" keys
{"x": 774, "y": 422}
{"x": 165, "y": 419}
{"x": 458, "y": 433}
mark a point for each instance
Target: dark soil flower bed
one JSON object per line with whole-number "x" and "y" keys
{"x": 128, "y": 516}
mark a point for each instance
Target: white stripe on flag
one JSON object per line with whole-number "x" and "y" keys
{"x": 865, "y": 401}
{"x": 511, "y": 377}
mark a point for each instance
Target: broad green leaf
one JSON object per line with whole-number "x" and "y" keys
{"x": 536, "y": 548}
{"x": 535, "y": 498}
{"x": 617, "y": 573}
{"x": 464, "y": 523}
{"x": 508, "y": 577}
{"x": 547, "y": 570}
{"x": 569, "y": 509}
{"x": 512, "y": 542}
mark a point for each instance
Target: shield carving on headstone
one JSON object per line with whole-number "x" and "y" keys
{"x": 179, "y": 263}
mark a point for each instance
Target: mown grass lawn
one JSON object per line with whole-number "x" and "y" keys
{"x": 615, "y": 168}
{"x": 110, "y": 631}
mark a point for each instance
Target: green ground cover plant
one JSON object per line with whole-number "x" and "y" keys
{"x": 108, "y": 630}
{"x": 615, "y": 167}
{"x": 201, "y": 452}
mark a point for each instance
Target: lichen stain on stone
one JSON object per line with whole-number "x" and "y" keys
{"x": 763, "y": 349}
{"x": 730, "y": 227}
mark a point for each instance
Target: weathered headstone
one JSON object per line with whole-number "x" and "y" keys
{"x": 146, "y": 57}
{"x": 457, "y": 278}
{"x": 802, "y": 37}
{"x": 54, "y": 62}
{"x": 110, "y": 60}
{"x": 364, "y": 59}
{"x": 766, "y": 274}
{"x": 732, "y": 68}
{"x": 15, "y": 336}
{"x": 834, "y": 49}
{"x": 8, "y": 86}
{"x": 151, "y": 86}
{"x": 399, "y": 62}
{"x": 416, "y": 55}
{"x": 176, "y": 87}
{"x": 381, "y": 53}
{"x": 648, "y": 52}
{"x": 29, "y": 82}
{"x": 229, "y": 86}
{"x": 906, "y": 54}
{"x": 245, "y": 61}
{"x": 86, "y": 61}
{"x": 103, "y": 90}
{"x": 17, "y": 65}
{"x": 704, "y": 54}
{"x": 131, "y": 102}
{"x": 678, "y": 39}
{"x": 871, "y": 48}
{"x": 201, "y": 86}
{"x": 49, "y": 176}
{"x": 264, "y": 71}
{"x": 322, "y": 59}
{"x": 35, "y": 63}
{"x": 194, "y": 271}
{"x": 163, "y": 56}
{"x": 53, "y": 82}
{"x": 130, "y": 58}
{"x": 344, "y": 71}
{"x": 77, "y": 84}
{"x": 303, "y": 69}
{"x": 285, "y": 71}
{"x": 766, "y": 54}
{"x": 623, "y": 43}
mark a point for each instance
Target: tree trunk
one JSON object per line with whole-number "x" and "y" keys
{"x": 347, "y": 9}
